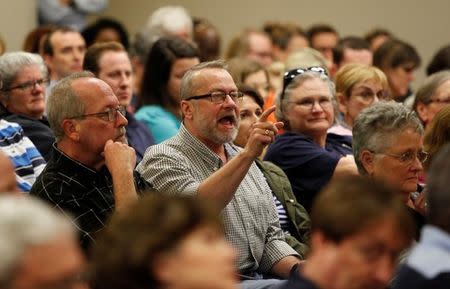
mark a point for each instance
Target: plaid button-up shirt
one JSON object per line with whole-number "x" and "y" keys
{"x": 180, "y": 164}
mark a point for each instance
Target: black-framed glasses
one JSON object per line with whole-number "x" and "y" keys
{"x": 291, "y": 74}
{"x": 441, "y": 101}
{"x": 407, "y": 157}
{"x": 220, "y": 96}
{"x": 109, "y": 115}
{"x": 29, "y": 85}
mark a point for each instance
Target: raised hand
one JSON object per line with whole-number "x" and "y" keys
{"x": 263, "y": 133}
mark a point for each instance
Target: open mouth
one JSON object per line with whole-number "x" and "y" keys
{"x": 228, "y": 121}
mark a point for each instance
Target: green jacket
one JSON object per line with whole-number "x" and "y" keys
{"x": 300, "y": 221}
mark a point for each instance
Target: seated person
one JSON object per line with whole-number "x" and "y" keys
{"x": 28, "y": 162}
{"x": 428, "y": 265}
{"x": 360, "y": 227}
{"x": 432, "y": 96}
{"x": 294, "y": 220}
{"x": 24, "y": 78}
{"x": 39, "y": 247}
{"x": 308, "y": 156}
{"x": 357, "y": 86}
{"x": 110, "y": 62}
{"x": 90, "y": 174}
{"x": 201, "y": 161}
{"x": 170, "y": 242}
{"x": 388, "y": 145}
{"x": 167, "y": 62}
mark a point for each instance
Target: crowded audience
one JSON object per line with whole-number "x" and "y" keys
{"x": 305, "y": 159}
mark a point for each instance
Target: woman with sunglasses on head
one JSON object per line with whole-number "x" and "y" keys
{"x": 294, "y": 220}
{"x": 23, "y": 79}
{"x": 388, "y": 145}
{"x": 304, "y": 151}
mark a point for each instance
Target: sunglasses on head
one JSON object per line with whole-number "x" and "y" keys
{"x": 291, "y": 74}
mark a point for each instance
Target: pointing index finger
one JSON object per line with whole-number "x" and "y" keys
{"x": 266, "y": 113}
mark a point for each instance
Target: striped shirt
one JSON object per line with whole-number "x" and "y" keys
{"x": 27, "y": 161}
{"x": 180, "y": 164}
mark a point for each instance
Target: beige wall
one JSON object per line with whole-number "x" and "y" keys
{"x": 425, "y": 24}
{"x": 17, "y": 17}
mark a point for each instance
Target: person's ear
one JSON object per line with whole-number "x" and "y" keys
{"x": 187, "y": 109}
{"x": 71, "y": 129}
{"x": 422, "y": 111}
{"x": 342, "y": 102}
{"x": 367, "y": 159}
{"x": 48, "y": 60}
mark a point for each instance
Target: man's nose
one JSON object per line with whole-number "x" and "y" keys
{"x": 121, "y": 120}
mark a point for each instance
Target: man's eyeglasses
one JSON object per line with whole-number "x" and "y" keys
{"x": 291, "y": 74}
{"x": 441, "y": 101}
{"x": 109, "y": 115}
{"x": 29, "y": 85}
{"x": 220, "y": 96}
{"x": 407, "y": 157}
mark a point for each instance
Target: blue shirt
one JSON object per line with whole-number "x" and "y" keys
{"x": 308, "y": 166}
{"x": 161, "y": 123}
{"x": 26, "y": 159}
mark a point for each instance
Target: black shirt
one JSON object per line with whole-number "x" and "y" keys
{"x": 37, "y": 130}
{"x": 84, "y": 193}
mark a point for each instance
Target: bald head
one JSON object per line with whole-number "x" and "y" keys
{"x": 8, "y": 182}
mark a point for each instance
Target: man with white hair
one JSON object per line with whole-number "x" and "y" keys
{"x": 38, "y": 246}
{"x": 170, "y": 21}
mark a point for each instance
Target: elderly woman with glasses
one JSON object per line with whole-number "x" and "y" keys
{"x": 304, "y": 151}
{"x": 388, "y": 145}
{"x": 357, "y": 86}
{"x": 23, "y": 79}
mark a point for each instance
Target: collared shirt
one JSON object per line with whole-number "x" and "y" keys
{"x": 428, "y": 265}
{"x": 180, "y": 164}
{"x": 82, "y": 192}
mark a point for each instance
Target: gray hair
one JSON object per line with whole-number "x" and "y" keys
{"x": 63, "y": 103}
{"x": 167, "y": 20}
{"x": 376, "y": 125}
{"x": 305, "y": 57}
{"x": 26, "y": 222}
{"x": 187, "y": 82}
{"x": 283, "y": 99}
{"x": 12, "y": 63}
{"x": 430, "y": 85}
{"x": 438, "y": 197}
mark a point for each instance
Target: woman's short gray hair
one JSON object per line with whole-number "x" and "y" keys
{"x": 63, "y": 103}
{"x": 376, "y": 126}
{"x": 12, "y": 63}
{"x": 283, "y": 99}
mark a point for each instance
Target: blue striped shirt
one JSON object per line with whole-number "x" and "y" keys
{"x": 27, "y": 161}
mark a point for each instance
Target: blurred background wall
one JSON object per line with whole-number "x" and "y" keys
{"x": 424, "y": 24}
